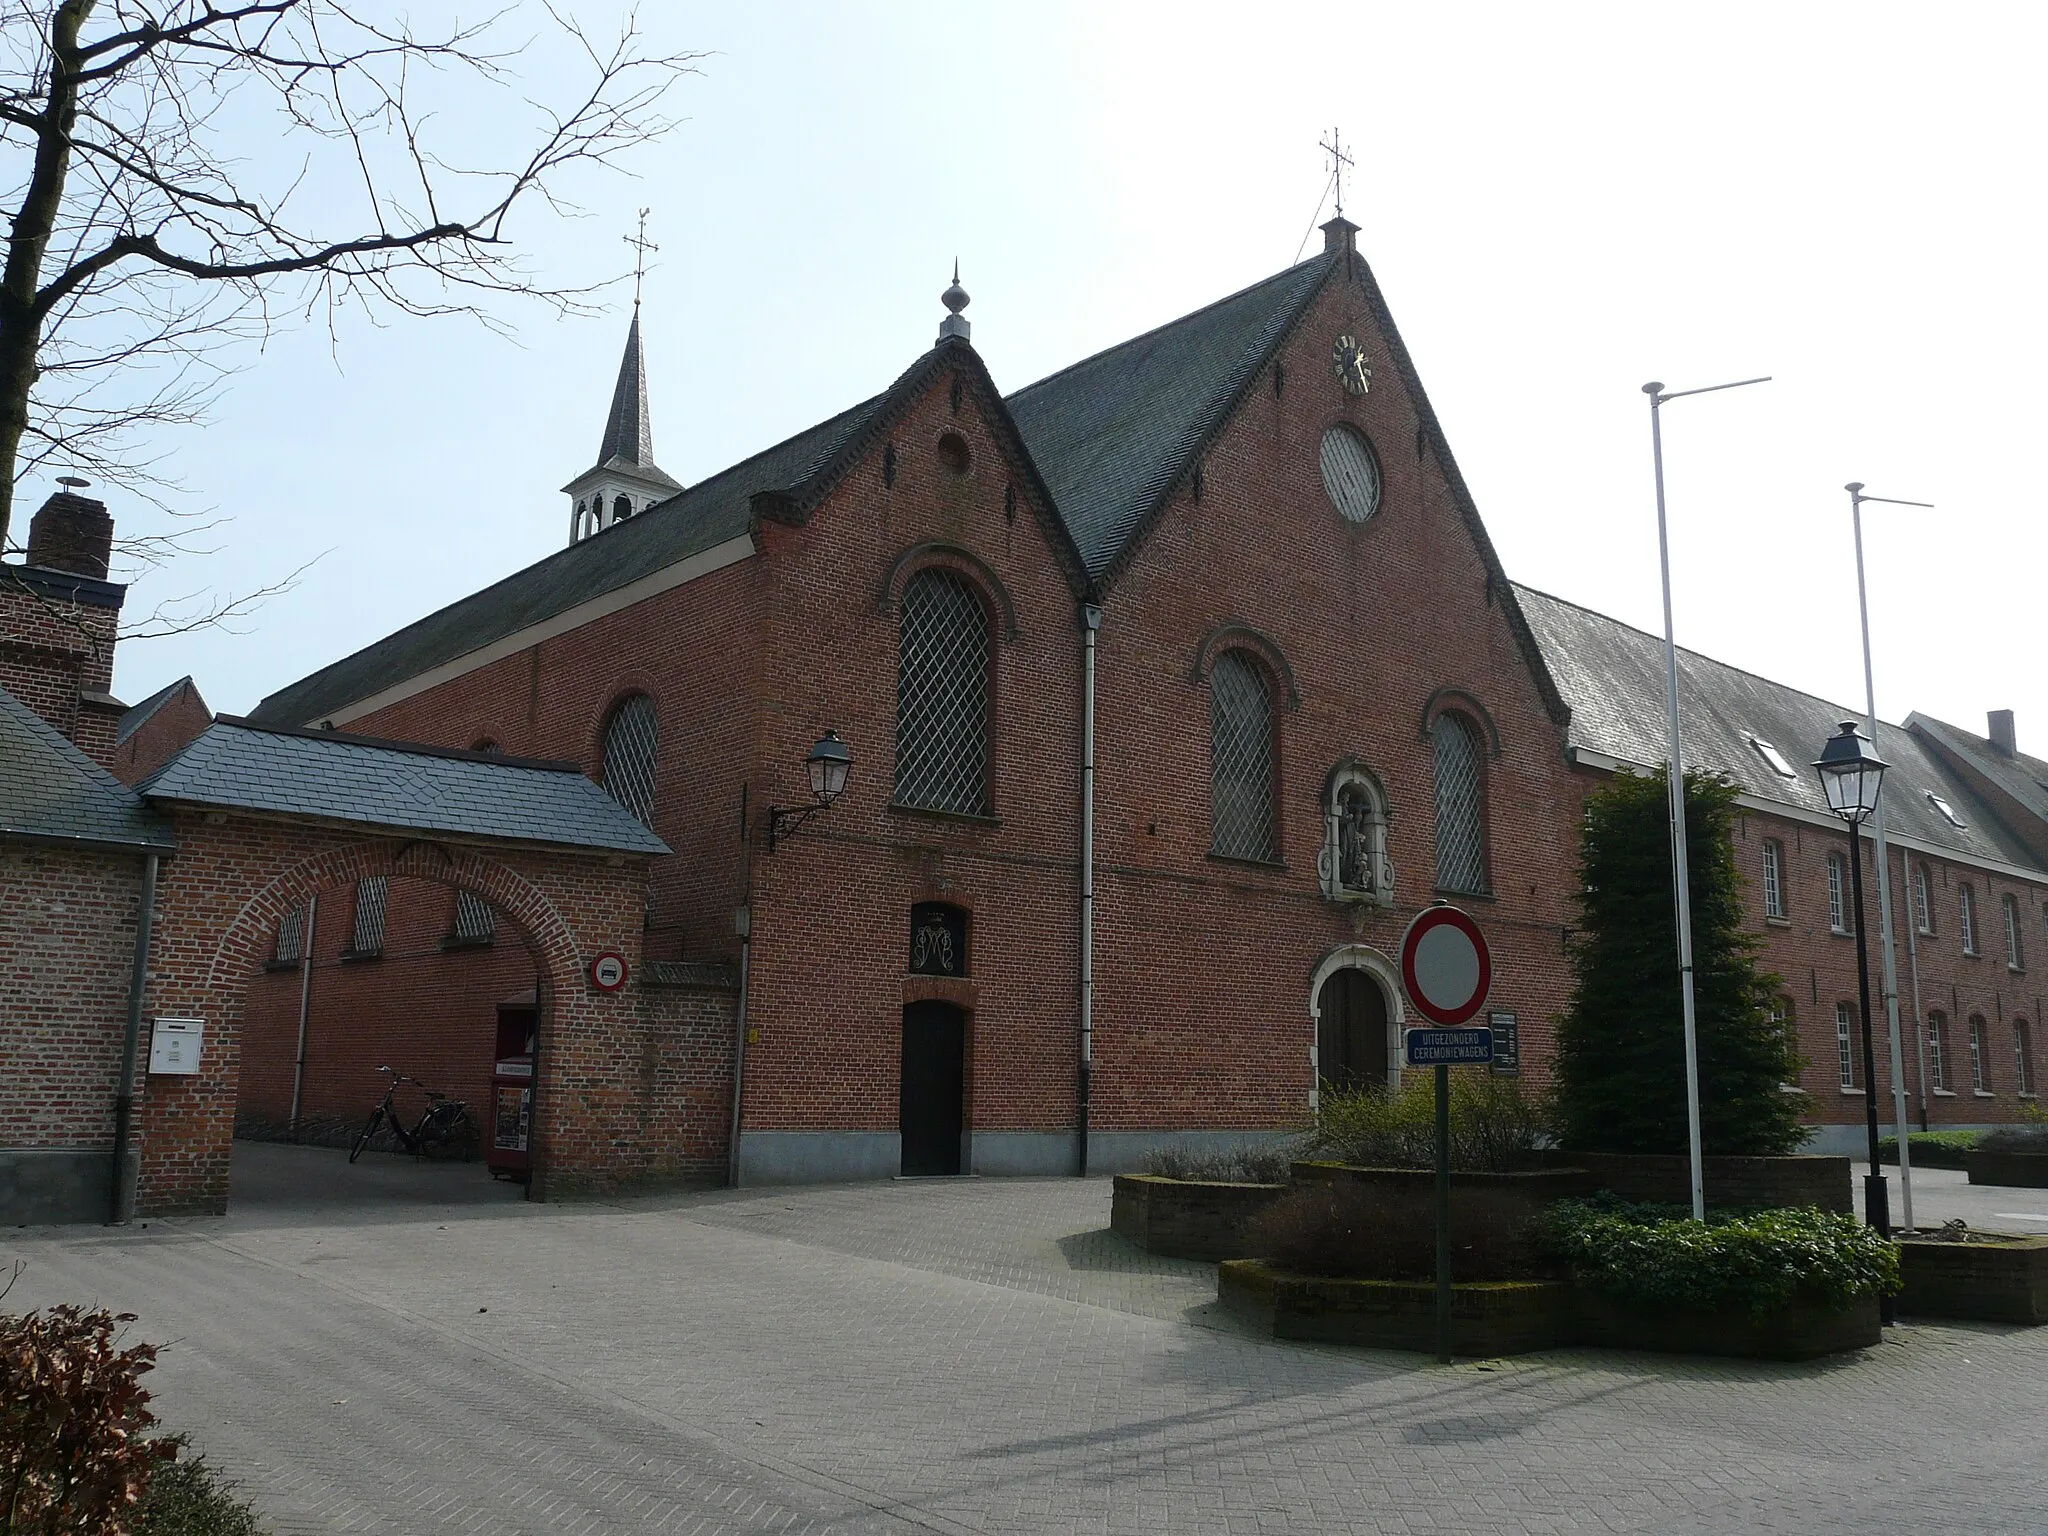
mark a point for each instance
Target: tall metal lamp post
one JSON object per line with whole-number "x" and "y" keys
{"x": 1681, "y": 879}
{"x": 1851, "y": 776}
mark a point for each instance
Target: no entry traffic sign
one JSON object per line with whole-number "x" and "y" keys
{"x": 1445, "y": 965}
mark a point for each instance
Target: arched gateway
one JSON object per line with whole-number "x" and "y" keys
{"x": 266, "y": 818}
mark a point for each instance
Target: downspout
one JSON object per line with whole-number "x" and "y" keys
{"x": 743, "y": 924}
{"x": 124, "y": 1086}
{"x": 305, "y": 1004}
{"x": 1091, "y": 621}
{"x": 1913, "y": 966}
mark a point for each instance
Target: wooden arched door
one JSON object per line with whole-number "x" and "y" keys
{"x": 1351, "y": 1032}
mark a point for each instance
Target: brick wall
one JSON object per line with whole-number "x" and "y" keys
{"x": 161, "y": 737}
{"x": 67, "y": 942}
{"x": 56, "y": 645}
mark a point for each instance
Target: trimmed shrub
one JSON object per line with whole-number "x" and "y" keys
{"x": 186, "y": 1497}
{"x": 2014, "y": 1138}
{"x": 1369, "y": 1232}
{"x": 1621, "y": 1040}
{"x": 1931, "y": 1149}
{"x": 1657, "y": 1256}
{"x": 1495, "y": 1127}
{"x": 74, "y": 1416}
{"x": 1252, "y": 1163}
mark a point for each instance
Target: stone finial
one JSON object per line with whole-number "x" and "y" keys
{"x": 955, "y": 300}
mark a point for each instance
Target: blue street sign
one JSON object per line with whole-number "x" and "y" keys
{"x": 1449, "y": 1047}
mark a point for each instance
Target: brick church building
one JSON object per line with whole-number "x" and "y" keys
{"x": 1174, "y": 685}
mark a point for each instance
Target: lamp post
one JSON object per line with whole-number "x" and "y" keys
{"x": 1884, "y": 883}
{"x": 1851, "y": 776}
{"x": 1680, "y": 876}
{"x": 827, "y": 765}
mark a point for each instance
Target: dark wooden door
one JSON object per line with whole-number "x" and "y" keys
{"x": 1351, "y": 1041}
{"x": 934, "y": 1087}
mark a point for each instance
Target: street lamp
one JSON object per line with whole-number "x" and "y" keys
{"x": 1681, "y": 879}
{"x": 1851, "y": 776}
{"x": 827, "y": 767}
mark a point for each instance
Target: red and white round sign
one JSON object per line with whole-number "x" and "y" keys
{"x": 608, "y": 971}
{"x": 1445, "y": 965}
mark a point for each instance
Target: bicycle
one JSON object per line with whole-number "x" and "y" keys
{"x": 444, "y": 1125}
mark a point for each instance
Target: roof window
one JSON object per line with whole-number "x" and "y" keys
{"x": 1946, "y": 809}
{"x": 1773, "y": 757}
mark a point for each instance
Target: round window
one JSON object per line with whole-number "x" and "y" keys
{"x": 1350, "y": 473}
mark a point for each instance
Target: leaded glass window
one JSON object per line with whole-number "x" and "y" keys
{"x": 1241, "y": 759}
{"x": 1460, "y": 818}
{"x": 942, "y": 664}
{"x": 367, "y": 937}
{"x": 629, "y": 756}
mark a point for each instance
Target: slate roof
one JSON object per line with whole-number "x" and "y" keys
{"x": 138, "y": 715}
{"x": 239, "y": 765}
{"x": 1112, "y": 434}
{"x": 1612, "y": 675}
{"x": 2016, "y": 774}
{"x": 52, "y": 792}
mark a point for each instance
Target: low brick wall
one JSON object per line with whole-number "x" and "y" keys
{"x": 1488, "y": 1318}
{"x": 1731, "y": 1182}
{"x": 1411, "y": 1192}
{"x": 1187, "y": 1218}
{"x": 1998, "y": 1277}
{"x": 2015, "y": 1170}
{"x": 1799, "y": 1331}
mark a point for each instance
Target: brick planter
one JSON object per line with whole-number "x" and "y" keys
{"x": 1731, "y": 1182}
{"x": 1187, "y": 1218}
{"x": 1499, "y": 1317}
{"x": 2016, "y": 1170}
{"x": 1417, "y": 1186}
{"x": 1989, "y": 1277}
{"x": 1800, "y": 1331}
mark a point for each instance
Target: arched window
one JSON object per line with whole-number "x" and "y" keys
{"x": 1354, "y": 865}
{"x": 622, "y": 508}
{"x": 629, "y": 756}
{"x": 1241, "y": 759}
{"x": 1460, "y": 813}
{"x": 942, "y": 662}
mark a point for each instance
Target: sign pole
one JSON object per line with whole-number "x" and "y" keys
{"x": 1443, "y": 1214}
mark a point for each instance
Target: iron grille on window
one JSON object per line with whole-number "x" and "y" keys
{"x": 1241, "y": 758}
{"x": 1460, "y": 840}
{"x": 291, "y": 937}
{"x": 368, "y": 936}
{"x": 942, "y": 696}
{"x": 629, "y": 756}
{"x": 474, "y": 922}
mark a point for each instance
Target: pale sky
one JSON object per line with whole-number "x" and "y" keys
{"x": 1561, "y": 203}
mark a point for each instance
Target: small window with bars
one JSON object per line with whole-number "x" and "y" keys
{"x": 942, "y": 696}
{"x": 475, "y": 922}
{"x": 1845, "y": 1044}
{"x": 1966, "y": 908}
{"x": 1980, "y": 1069}
{"x": 366, "y": 937}
{"x": 1838, "y": 904}
{"x": 290, "y": 947}
{"x": 1774, "y": 878}
{"x": 1937, "y": 1052}
{"x": 1460, "y": 807}
{"x": 629, "y": 741}
{"x": 1241, "y": 759}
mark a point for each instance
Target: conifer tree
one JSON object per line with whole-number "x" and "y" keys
{"x": 1621, "y": 1041}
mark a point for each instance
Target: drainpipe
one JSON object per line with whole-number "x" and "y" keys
{"x": 745, "y": 924}
{"x": 1091, "y": 621}
{"x": 124, "y": 1086}
{"x": 305, "y": 1003}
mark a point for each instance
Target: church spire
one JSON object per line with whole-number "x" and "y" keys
{"x": 628, "y": 439}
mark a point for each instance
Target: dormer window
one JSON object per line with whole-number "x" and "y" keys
{"x": 1353, "y": 863}
{"x": 1773, "y": 757}
{"x": 1948, "y": 811}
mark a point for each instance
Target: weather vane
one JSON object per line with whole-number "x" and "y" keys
{"x": 641, "y": 246}
{"x": 1334, "y": 148}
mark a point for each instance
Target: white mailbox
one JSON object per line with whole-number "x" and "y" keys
{"x": 174, "y": 1046}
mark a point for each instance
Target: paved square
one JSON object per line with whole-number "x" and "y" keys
{"x": 401, "y": 1348}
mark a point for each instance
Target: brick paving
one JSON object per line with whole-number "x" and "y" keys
{"x": 960, "y": 1356}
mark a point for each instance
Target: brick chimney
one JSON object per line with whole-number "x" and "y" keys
{"x": 2002, "y": 734}
{"x": 72, "y": 533}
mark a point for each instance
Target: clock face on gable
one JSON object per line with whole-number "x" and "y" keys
{"x": 1347, "y": 357}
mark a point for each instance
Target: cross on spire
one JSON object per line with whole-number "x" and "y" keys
{"x": 641, "y": 246}
{"x": 1334, "y": 148}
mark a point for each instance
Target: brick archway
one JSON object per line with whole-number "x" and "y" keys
{"x": 608, "y": 1062}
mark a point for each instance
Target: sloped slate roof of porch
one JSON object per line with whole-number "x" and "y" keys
{"x": 52, "y": 792}
{"x": 235, "y": 765}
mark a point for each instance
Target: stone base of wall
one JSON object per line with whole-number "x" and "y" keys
{"x": 1187, "y": 1218}
{"x": 2014, "y": 1170}
{"x": 62, "y": 1185}
{"x": 1731, "y": 1182}
{"x": 1995, "y": 1277}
